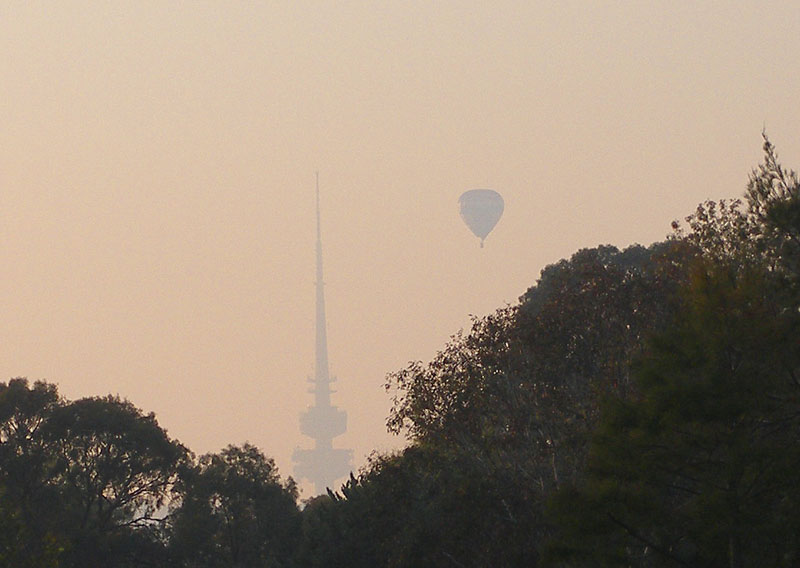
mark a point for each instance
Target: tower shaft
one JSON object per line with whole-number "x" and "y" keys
{"x": 323, "y": 464}
{"x": 322, "y": 378}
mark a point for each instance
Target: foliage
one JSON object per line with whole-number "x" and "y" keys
{"x": 133, "y": 462}
{"x": 30, "y": 530}
{"x": 83, "y": 479}
{"x": 773, "y": 197}
{"x": 512, "y": 401}
{"x": 763, "y": 230}
{"x": 649, "y": 395}
{"x": 116, "y": 468}
{"x": 236, "y": 511}
{"x": 527, "y": 377}
{"x": 420, "y": 507}
{"x": 703, "y": 467}
{"x": 16, "y": 548}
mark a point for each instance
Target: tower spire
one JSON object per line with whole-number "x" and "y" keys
{"x": 323, "y": 464}
{"x": 321, "y": 369}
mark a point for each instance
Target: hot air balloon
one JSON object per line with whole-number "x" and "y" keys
{"x": 481, "y": 209}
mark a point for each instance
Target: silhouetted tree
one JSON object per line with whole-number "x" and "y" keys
{"x": 31, "y": 523}
{"x": 498, "y": 419}
{"x": 83, "y": 480}
{"x": 420, "y": 507}
{"x": 116, "y": 468}
{"x": 703, "y": 467}
{"x": 236, "y": 512}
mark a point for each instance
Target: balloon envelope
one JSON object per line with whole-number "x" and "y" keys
{"x": 481, "y": 209}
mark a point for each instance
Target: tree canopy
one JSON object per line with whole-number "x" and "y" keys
{"x": 702, "y": 467}
{"x": 235, "y": 511}
{"x": 636, "y": 407}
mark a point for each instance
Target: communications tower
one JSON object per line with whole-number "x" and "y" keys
{"x": 323, "y": 464}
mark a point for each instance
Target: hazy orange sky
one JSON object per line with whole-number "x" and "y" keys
{"x": 157, "y": 168}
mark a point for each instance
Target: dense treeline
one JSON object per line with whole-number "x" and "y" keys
{"x": 637, "y": 407}
{"x": 96, "y": 482}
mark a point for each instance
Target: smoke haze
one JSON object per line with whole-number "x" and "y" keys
{"x": 157, "y": 209}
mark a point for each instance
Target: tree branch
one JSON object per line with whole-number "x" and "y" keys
{"x": 646, "y": 541}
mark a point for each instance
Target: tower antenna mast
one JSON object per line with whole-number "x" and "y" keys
{"x": 323, "y": 464}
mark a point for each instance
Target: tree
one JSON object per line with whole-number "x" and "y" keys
{"x": 235, "y": 511}
{"x": 23, "y": 452}
{"x": 115, "y": 466}
{"x": 16, "y": 546}
{"x": 702, "y": 468}
{"x": 82, "y": 480}
{"x": 572, "y": 333}
{"x": 419, "y": 507}
{"x": 516, "y": 397}
{"x": 762, "y": 230}
{"x": 526, "y": 378}
{"x": 31, "y": 532}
